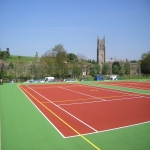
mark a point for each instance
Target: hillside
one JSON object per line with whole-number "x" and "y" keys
{"x": 15, "y": 58}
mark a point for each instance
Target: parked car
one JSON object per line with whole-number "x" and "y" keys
{"x": 70, "y": 80}
{"x": 29, "y": 81}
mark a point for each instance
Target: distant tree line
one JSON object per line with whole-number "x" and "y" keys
{"x": 60, "y": 64}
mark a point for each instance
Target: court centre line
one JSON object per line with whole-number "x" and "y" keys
{"x": 82, "y": 93}
{"x": 63, "y": 121}
{"x": 63, "y": 110}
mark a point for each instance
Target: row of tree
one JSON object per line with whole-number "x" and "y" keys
{"x": 60, "y": 64}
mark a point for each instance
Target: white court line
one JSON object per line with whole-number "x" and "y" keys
{"x": 101, "y": 101}
{"x": 115, "y": 90}
{"x": 115, "y": 128}
{"x": 82, "y": 93}
{"x": 106, "y": 89}
{"x": 127, "y": 86}
{"x": 87, "y": 133}
{"x": 138, "y": 84}
{"x": 42, "y": 113}
{"x": 64, "y": 110}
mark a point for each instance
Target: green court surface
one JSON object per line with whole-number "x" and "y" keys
{"x": 23, "y": 127}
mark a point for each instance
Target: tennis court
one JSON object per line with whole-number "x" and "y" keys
{"x": 88, "y": 109}
{"x": 86, "y": 116}
{"x": 131, "y": 84}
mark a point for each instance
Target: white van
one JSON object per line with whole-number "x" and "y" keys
{"x": 112, "y": 77}
{"x": 48, "y": 79}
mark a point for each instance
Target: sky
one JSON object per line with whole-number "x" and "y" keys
{"x": 30, "y": 26}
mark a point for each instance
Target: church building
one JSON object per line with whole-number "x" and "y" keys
{"x": 101, "y": 58}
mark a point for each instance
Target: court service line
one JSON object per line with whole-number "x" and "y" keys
{"x": 104, "y": 97}
{"x": 129, "y": 98}
{"x": 63, "y": 110}
{"x": 63, "y": 121}
{"x": 82, "y": 93}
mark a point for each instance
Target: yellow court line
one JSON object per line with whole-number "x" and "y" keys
{"x": 45, "y": 102}
{"x": 88, "y": 99}
{"x": 62, "y": 120}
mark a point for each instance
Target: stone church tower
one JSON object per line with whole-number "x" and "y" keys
{"x": 101, "y": 55}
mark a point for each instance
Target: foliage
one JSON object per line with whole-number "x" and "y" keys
{"x": 116, "y": 67}
{"x": 3, "y": 72}
{"x": 105, "y": 68}
{"x": 72, "y": 57}
{"x": 145, "y": 64}
{"x": 133, "y": 61}
{"x": 11, "y": 65}
{"x": 92, "y": 72}
{"x": 95, "y": 70}
{"x": 4, "y": 55}
{"x": 76, "y": 71}
{"x": 144, "y": 55}
{"x": 127, "y": 68}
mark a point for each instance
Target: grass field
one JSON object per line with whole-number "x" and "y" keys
{"x": 23, "y": 127}
{"x": 15, "y": 58}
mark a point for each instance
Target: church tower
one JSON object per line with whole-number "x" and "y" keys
{"x": 101, "y": 51}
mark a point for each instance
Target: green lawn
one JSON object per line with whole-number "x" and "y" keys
{"x": 23, "y": 127}
{"x": 15, "y": 58}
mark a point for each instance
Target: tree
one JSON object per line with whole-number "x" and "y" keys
{"x": 8, "y": 52}
{"x": 72, "y": 57}
{"x": 133, "y": 61}
{"x": 92, "y": 72}
{"x": 55, "y": 60}
{"x": 47, "y": 65}
{"x": 95, "y": 70}
{"x": 145, "y": 64}
{"x": 11, "y": 65}
{"x": 3, "y": 72}
{"x": 19, "y": 68}
{"x": 88, "y": 67}
{"x": 144, "y": 55}
{"x": 61, "y": 56}
{"x": 94, "y": 62}
{"x": 4, "y": 54}
{"x": 115, "y": 69}
{"x": 37, "y": 57}
{"x": 127, "y": 68}
{"x": 76, "y": 71}
{"x": 105, "y": 68}
{"x": 81, "y": 57}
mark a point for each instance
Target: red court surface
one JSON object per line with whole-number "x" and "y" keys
{"x": 131, "y": 84}
{"x": 86, "y": 109}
